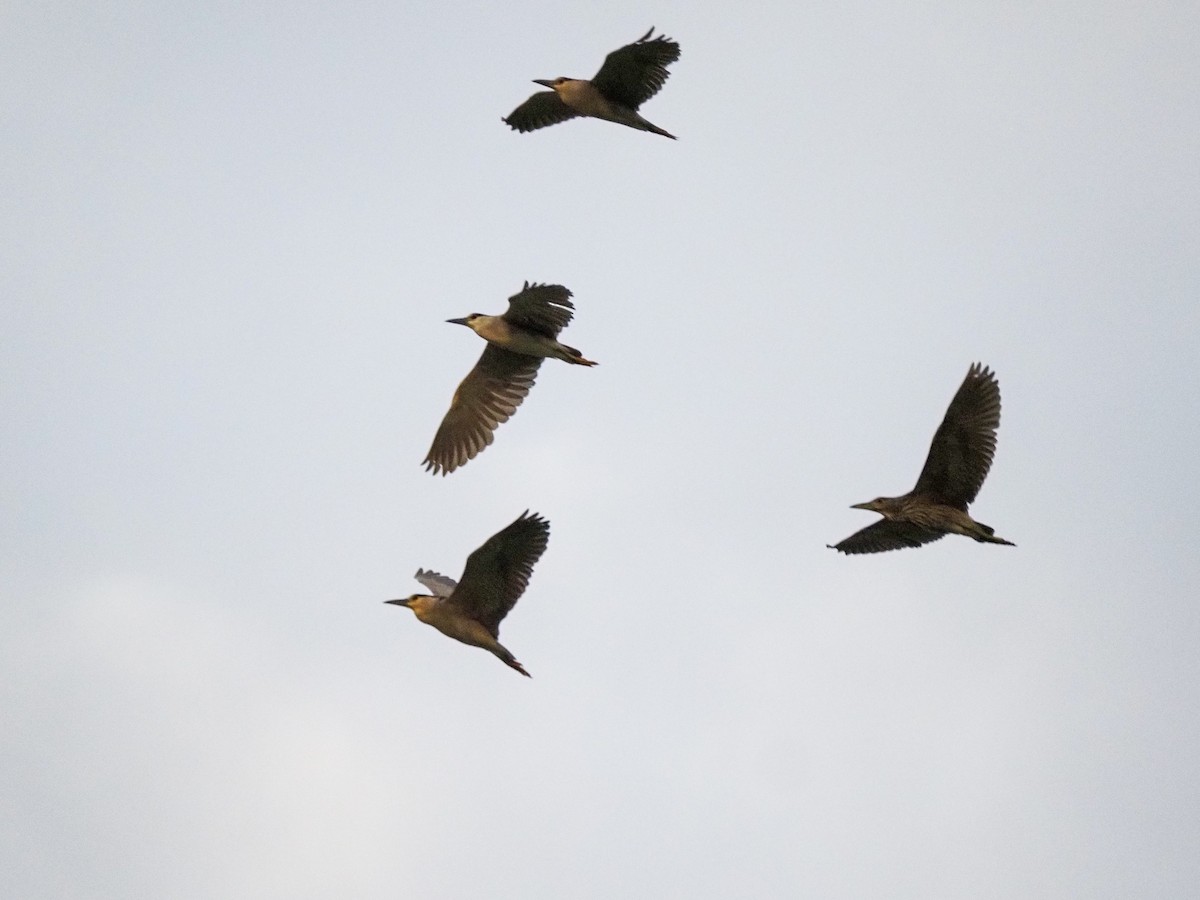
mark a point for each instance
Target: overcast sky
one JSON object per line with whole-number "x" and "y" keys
{"x": 232, "y": 234}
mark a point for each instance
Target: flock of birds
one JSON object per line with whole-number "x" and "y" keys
{"x": 471, "y": 609}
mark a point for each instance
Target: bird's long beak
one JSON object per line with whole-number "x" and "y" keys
{"x": 544, "y": 82}
{"x": 866, "y": 506}
{"x": 457, "y": 321}
{"x": 403, "y": 602}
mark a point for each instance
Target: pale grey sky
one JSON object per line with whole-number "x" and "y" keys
{"x": 232, "y": 236}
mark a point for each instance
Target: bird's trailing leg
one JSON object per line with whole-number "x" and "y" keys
{"x": 988, "y": 536}
{"x": 508, "y": 659}
{"x": 992, "y": 539}
{"x": 651, "y": 127}
{"x": 575, "y": 358}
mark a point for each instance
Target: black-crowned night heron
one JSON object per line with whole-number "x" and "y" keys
{"x": 518, "y": 341}
{"x": 496, "y": 575}
{"x": 958, "y": 461}
{"x": 629, "y": 77}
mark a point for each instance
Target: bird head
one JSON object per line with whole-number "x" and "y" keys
{"x": 881, "y": 505}
{"x": 471, "y": 321}
{"x": 417, "y": 602}
{"x": 553, "y": 85}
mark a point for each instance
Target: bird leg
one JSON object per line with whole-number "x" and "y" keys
{"x": 508, "y": 659}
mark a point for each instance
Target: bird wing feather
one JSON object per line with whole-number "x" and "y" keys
{"x": 887, "y": 534}
{"x": 487, "y": 397}
{"x": 498, "y": 572}
{"x": 636, "y": 72}
{"x": 964, "y": 444}
{"x": 542, "y": 109}
{"x": 544, "y": 308}
{"x": 438, "y": 585}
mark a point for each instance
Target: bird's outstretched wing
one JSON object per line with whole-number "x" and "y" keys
{"x": 887, "y": 534}
{"x": 542, "y": 109}
{"x": 544, "y": 308}
{"x": 636, "y": 72}
{"x": 438, "y": 585}
{"x": 963, "y": 446}
{"x": 488, "y": 396}
{"x": 498, "y": 572}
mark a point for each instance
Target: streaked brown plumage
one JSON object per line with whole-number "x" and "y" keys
{"x": 518, "y": 341}
{"x": 629, "y": 77}
{"x": 495, "y": 576}
{"x": 958, "y": 462}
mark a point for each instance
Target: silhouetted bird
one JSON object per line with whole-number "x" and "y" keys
{"x": 629, "y": 77}
{"x": 518, "y": 341}
{"x": 958, "y": 461}
{"x": 495, "y": 577}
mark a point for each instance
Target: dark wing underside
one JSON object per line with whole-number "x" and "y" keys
{"x": 965, "y": 442}
{"x": 544, "y": 308}
{"x": 887, "y": 534}
{"x": 542, "y": 109}
{"x": 635, "y": 73}
{"x": 488, "y": 396}
{"x": 498, "y": 572}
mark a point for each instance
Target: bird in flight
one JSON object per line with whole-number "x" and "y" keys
{"x": 495, "y": 576}
{"x": 958, "y": 462}
{"x": 629, "y": 77}
{"x": 517, "y": 342}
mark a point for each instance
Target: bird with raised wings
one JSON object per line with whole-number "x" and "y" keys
{"x": 958, "y": 462}
{"x": 629, "y": 77}
{"x": 518, "y": 341}
{"x": 495, "y": 577}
